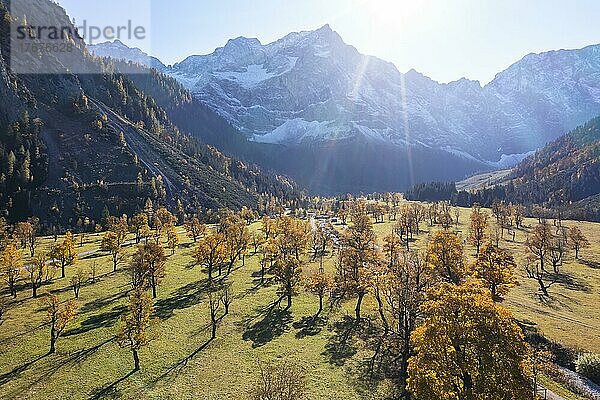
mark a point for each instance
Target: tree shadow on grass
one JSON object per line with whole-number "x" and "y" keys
{"x": 268, "y": 281}
{"x": 21, "y": 334}
{"x": 181, "y": 364}
{"x": 553, "y": 301}
{"x": 590, "y": 264}
{"x": 571, "y": 283}
{"x": 111, "y": 391}
{"x": 563, "y": 356}
{"x": 102, "y": 302}
{"x": 184, "y": 297}
{"x": 309, "y": 326}
{"x": 342, "y": 345}
{"x": 95, "y": 255}
{"x": 103, "y": 320}
{"x": 346, "y": 338}
{"x": 8, "y": 376}
{"x": 350, "y": 336}
{"x": 54, "y": 364}
{"x": 63, "y": 289}
{"x": 191, "y": 265}
{"x": 274, "y": 323}
{"x": 200, "y": 330}
{"x": 256, "y": 276}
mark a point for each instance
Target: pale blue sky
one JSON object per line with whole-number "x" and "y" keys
{"x": 444, "y": 39}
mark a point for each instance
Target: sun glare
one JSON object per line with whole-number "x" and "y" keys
{"x": 392, "y": 14}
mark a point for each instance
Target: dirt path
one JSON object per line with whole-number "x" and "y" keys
{"x": 547, "y": 394}
{"x": 584, "y": 385}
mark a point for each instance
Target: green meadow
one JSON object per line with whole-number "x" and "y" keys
{"x": 184, "y": 363}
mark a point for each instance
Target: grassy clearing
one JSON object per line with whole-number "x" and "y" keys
{"x": 570, "y": 315}
{"x": 182, "y": 363}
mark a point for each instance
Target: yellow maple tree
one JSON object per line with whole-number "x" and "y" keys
{"x": 468, "y": 348}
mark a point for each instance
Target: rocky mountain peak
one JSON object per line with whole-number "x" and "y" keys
{"x": 464, "y": 84}
{"x": 120, "y": 51}
{"x": 241, "y": 51}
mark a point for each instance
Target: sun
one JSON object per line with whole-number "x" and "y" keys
{"x": 392, "y": 15}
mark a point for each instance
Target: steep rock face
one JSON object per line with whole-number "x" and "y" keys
{"x": 9, "y": 95}
{"x": 555, "y": 91}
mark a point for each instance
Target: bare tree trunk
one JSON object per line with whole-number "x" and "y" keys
{"x": 543, "y": 287}
{"x": 136, "y": 360}
{"x": 213, "y": 320}
{"x": 404, "y": 363}
{"x": 52, "y": 340}
{"x": 382, "y": 314}
{"x": 320, "y": 307}
{"x": 468, "y": 386}
{"x": 361, "y": 295}
{"x": 289, "y": 297}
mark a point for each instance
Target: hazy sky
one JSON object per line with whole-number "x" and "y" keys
{"x": 444, "y": 39}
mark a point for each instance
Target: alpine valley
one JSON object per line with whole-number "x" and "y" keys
{"x": 313, "y": 107}
{"x": 296, "y": 220}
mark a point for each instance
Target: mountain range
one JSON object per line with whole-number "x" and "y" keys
{"x": 314, "y": 96}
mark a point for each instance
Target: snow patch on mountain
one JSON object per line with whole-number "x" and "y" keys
{"x": 322, "y": 51}
{"x": 367, "y": 97}
{"x": 296, "y": 131}
{"x": 376, "y": 135}
{"x": 459, "y": 153}
{"x": 510, "y": 160}
{"x": 252, "y": 76}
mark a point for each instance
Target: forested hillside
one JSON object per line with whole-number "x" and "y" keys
{"x": 564, "y": 176}
{"x": 567, "y": 170}
{"x": 73, "y": 145}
